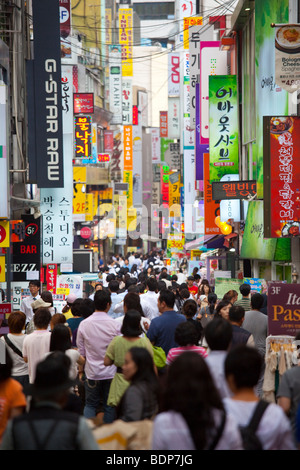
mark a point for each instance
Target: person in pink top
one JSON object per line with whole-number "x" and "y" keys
{"x": 186, "y": 337}
{"x": 93, "y": 337}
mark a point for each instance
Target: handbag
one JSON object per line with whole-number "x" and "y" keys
{"x": 159, "y": 357}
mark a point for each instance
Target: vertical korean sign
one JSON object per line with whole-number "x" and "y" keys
{"x": 126, "y": 40}
{"x": 284, "y": 182}
{"x": 56, "y": 203}
{"x": 47, "y": 89}
{"x": 115, "y": 84}
{"x": 223, "y": 126}
{"x": 128, "y": 163}
{"x": 211, "y": 207}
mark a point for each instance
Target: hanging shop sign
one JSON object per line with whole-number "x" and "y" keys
{"x": 83, "y": 137}
{"x": 115, "y": 83}
{"x": 26, "y": 254}
{"x": 128, "y": 153}
{"x": 127, "y": 101}
{"x": 51, "y": 276}
{"x": 283, "y": 309}
{"x": 47, "y": 94}
{"x": 163, "y": 123}
{"x": 287, "y": 57}
{"x": 173, "y": 74}
{"x": 233, "y": 190}
{"x": 223, "y": 126}
{"x": 211, "y": 207}
{"x": 282, "y": 176}
{"x": 213, "y": 61}
{"x": 126, "y": 40}
{"x": 83, "y": 103}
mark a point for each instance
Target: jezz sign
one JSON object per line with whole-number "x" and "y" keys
{"x": 223, "y": 126}
{"x": 26, "y": 254}
{"x": 282, "y": 176}
{"x": 283, "y": 308}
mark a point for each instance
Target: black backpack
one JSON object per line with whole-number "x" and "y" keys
{"x": 250, "y": 440}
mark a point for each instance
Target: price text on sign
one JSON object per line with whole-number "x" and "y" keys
{"x": 62, "y": 291}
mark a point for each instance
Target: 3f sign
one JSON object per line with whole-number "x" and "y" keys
{"x": 275, "y": 290}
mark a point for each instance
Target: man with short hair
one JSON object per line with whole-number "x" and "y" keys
{"x": 93, "y": 336}
{"x": 239, "y": 334}
{"x": 47, "y": 425}
{"x": 149, "y": 299}
{"x": 162, "y": 328}
{"x": 245, "y": 301}
{"x": 25, "y": 307}
{"x": 116, "y": 297}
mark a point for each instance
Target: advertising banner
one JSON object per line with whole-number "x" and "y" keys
{"x": 283, "y": 309}
{"x": 282, "y": 176}
{"x": 26, "y": 259}
{"x": 4, "y": 210}
{"x": 83, "y": 136}
{"x": 48, "y": 94}
{"x": 127, "y": 101}
{"x": 115, "y": 83}
{"x": 51, "y": 275}
{"x": 212, "y": 62}
{"x": 173, "y": 74}
{"x": 271, "y": 99}
{"x": 223, "y": 285}
{"x": 287, "y": 57}
{"x": 155, "y": 144}
{"x": 126, "y": 40}
{"x": 163, "y": 123}
{"x": 223, "y": 126}
{"x": 83, "y": 103}
{"x": 211, "y": 207}
{"x": 65, "y": 28}
{"x": 173, "y": 118}
{"x": 194, "y": 48}
{"x": 56, "y": 203}
{"x": 233, "y": 190}
{"x": 127, "y": 140}
{"x": 137, "y": 162}
{"x": 4, "y": 234}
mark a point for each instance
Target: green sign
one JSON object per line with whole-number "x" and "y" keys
{"x": 223, "y": 126}
{"x": 224, "y": 285}
{"x": 254, "y": 245}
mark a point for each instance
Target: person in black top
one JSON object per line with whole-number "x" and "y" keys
{"x": 189, "y": 310}
{"x": 239, "y": 334}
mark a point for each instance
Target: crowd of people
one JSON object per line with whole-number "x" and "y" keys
{"x": 146, "y": 345}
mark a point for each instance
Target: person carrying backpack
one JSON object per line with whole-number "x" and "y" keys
{"x": 263, "y": 426}
{"x": 48, "y": 425}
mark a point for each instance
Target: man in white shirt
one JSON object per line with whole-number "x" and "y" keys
{"x": 116, "y": 297}
{"x": 149, "y": 299}
{"x": 25, "y": 307}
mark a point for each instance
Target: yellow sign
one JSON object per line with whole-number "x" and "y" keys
{"x": 187, "y": 23}
{"x": 79, "y": 193}
{"x": 62, "y": 291}
{"x": 4, "y": 233}
{"x": 2, "y": 269}
{"x": 126, "y": 40}
{"x": 175, "y": 243}
{"x": 89, "y": 207}
{"x": 127, "y": 178}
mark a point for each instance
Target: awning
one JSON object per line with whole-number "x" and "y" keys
{"x": 196, "y": 244}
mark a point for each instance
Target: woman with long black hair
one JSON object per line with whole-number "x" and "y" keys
{"x": 140, "y": 400}
{"x": 193, "y": 416}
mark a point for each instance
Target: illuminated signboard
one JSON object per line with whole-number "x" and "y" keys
{"x": 282, "y": 176}
{"x": 83, "y": 103}
{"x": 83, "y": 137}
{"x": 233, "y": 190}
{"x": 103, "y": 157}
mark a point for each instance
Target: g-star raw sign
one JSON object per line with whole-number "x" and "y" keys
{"x": 48, "y": 96}
{"x": 283, "y": 308}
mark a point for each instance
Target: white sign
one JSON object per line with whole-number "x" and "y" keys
{"x": 127, "y": 101}
{"x": 56, "y": 203}
{"x": 173, "y": 118}
{"x": 173, "y": 74}
{"x": 72, "y": 282}
{"x": 287, "y": 57}
{"x": 115, "y": 84}
{"x": 155, "y": 144}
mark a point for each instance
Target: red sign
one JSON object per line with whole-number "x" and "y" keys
{"x": 135, "y": 115}
{"x": 163, "y": 123}
{"x": 51, "y": 276}
{"x": 285, "y": 176}
{"x": 283, "y": 309}
{"x": 103, "y": 157}
{"x": 5, "y": 308}
{"x": 85, "y": 232}
{"x": 83, "y": 103}
{"x": 108, "y": 141}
